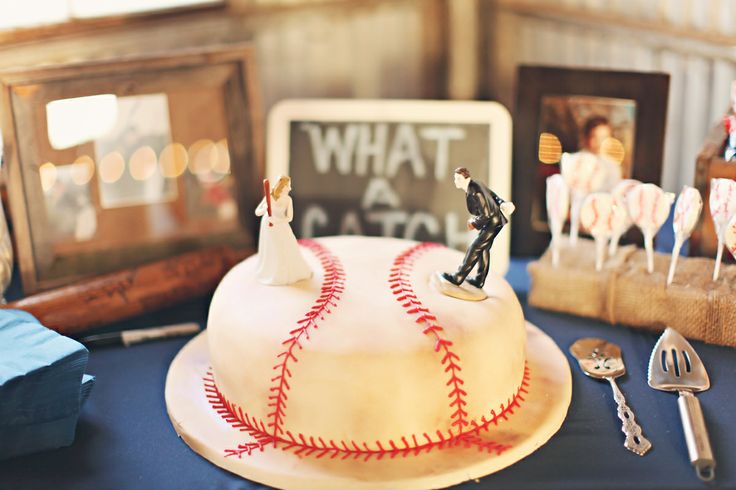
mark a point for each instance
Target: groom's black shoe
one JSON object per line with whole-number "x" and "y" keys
{"x": 451, "y": 278}
{"x": 475, "y": 281}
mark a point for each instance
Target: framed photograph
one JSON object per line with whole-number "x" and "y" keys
{"x": 112, "y": 164}
{"x": 618, "y": 116}
{"x": 385, "y": 167}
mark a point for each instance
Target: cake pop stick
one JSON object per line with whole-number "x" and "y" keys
{"x": 623, "y": 222}
{"x": 597, "y": 216}
{"x": 584, "y": 173}
{"x": 649, "y": 207}
{"x": 722, "y": 208}
{"x": 687, "y": 211}
{"x": 558, "y": 206}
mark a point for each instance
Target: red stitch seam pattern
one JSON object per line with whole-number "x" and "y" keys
{"x": 234, "y": 415}
{"x": 332, "y": 286}
{"x": 303, "y": 445}
{"x": 402, "y": 288}
{"x": 466, "y": 433}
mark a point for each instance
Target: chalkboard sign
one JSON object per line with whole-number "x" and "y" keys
{"x": 385, "y": 168}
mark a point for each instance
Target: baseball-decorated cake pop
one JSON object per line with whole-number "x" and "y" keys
{"x": 729, "y": 236}
{"x": 623, "y": 222}
{"x": 584, "y": 173}
{"x": 649, "y": 207}
{"x": 597, "y": 215}
{"x": 687, "y": 211}
{"x": 722, "y": 208}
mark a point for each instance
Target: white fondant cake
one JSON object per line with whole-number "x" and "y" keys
{"x": 365, "y": 357}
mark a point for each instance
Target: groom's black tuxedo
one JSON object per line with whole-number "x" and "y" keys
{"x": 485, "y": 206}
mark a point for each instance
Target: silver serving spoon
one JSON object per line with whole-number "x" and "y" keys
{"x": 601, "y": 359}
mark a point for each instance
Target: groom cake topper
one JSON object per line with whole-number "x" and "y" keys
{"x": 489, "y": 213}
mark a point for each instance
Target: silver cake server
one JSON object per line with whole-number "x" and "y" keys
{"x": 601, "y": 359}
{"x": 675, "y": 366}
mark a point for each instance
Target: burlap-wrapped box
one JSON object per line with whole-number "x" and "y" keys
{"x": 625, "y": 293}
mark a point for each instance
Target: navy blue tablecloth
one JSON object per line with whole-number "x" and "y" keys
{"x": 125, "y": 440}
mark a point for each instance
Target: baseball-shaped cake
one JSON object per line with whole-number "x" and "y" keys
{"x": 365, "y": 357}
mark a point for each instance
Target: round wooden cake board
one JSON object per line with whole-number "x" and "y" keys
{"x": 531, "y": 424}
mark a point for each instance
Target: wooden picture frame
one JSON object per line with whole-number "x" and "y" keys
{"x": 646, "y": 93}
{"x": 412, "y": 198}
{"x": 172, "y": 162}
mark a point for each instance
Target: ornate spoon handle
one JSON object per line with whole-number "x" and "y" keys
{"x": 635, "y": 440}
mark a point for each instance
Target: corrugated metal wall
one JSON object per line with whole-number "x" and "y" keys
{"x": 374, "y": 53}
{"x": 349, "y": 48}
{"x": 692, "y": 40}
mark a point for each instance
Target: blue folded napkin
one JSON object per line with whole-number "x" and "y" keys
{"x": 42, "y": 385}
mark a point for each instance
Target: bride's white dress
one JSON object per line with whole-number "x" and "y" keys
{"x": 280, "y": 259}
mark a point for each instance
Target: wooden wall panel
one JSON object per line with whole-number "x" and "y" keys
{"x": 346, "y": 48}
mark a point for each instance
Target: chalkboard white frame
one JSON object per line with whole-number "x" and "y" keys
{"x": 495, "y": 115}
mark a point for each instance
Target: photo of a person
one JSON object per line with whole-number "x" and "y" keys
{"x": 602, "y": 126}
{"x": 595, "y": 131}
{"x": 595, "y": 134}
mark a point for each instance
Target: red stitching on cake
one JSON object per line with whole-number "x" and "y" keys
{"x": 333, "y": 284}
{"x": 272, "y": 433}
{"x": 302, "y": 445}
{"x": 507, "y": 409}
{"x": 234, "y": 415}
{"x": 402, "y": 288}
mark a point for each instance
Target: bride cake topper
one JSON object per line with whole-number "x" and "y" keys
{"x": 280, "y": 260}
{"x": 489, "y": 213}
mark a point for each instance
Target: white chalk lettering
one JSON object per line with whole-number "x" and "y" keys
{"x": 366, "y": 145}
{"x": 313, "y": 216}
{"x": 378, "y": 192}
{"x": 367, "y": 149}
{"x": 350, "y": 224}
{"x": 442, "y": 136}
{"x": 388, "y": 220}
{"x": 418, "y": 220}
{"x": 405, "y": 148}
{"x": 332, "y": 144}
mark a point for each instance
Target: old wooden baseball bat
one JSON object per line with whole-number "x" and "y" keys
{"x": 129, "y": 292}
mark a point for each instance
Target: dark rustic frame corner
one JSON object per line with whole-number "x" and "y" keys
{"x": 243, "y": 125}
{"x": 648, "y": 90}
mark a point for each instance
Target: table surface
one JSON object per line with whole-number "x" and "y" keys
{"x": 125, "y": 440}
